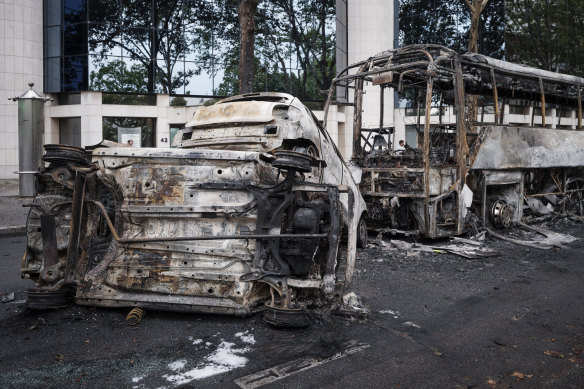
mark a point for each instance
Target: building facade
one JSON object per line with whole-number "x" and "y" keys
{"x": 132, "y": 69}
{"x": 21, "y": 62}
{"x": 117, "y": 68}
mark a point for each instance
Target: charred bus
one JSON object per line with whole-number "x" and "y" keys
{"x": 470, "y": 168}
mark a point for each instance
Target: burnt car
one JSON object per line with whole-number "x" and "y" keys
{"x": 254, "y": 209}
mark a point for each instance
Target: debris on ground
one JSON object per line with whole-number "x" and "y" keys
{"x": 352, "y": 301}
{"x": 8, "y": 298}
{"x": 466, "y": 248}
{"x": 537, "y": 237}
{"x": 550, "y": 237}
{"x": 521, "y": 375}
{"x": 352, "y": 307}
{"x": 474, "y": 247}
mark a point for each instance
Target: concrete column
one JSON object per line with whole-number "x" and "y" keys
{"x": 553, "y": 120}
{"x": 91, "y": 118}
{"x": 162, "y": 126}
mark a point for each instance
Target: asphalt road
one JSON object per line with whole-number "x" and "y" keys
{"x": 515, "y": 319}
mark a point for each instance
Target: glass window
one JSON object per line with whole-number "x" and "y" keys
{"x": 198, "y": 80}
{"x": 137, "y": 13}
{"x": 52, "y": 12}
{"x": 74, "y": 74}
{"x": 168, "y": 79}
{"x": 52, "y": 41}
{"x": 136, "y": 75}
{"x": 105, "y": 11}
{"x": 178, "y": 78}
{"x": 75, "y": 39}
{"x": 136, "y": 42}
{"x": 203, "y": 33}
{"x": 104, "y": 39}
{"x": 52, "y": 75}
{"x": 106, "y": 73}
{"x": 128, "y": 99}
{"x": 70, "y": 131}
{"x": 74, "y": 11}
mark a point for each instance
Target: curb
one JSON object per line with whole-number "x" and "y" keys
{"x": 10, "y": 230}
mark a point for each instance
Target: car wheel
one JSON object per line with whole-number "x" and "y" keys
{"x": 362, "y": 233}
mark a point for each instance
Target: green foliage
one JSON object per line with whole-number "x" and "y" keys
{"x": 547, "y": 34}
{"x": 447, "y": 23}
{"x": 128, "y": 29}
{"x": 115, "y": 76}
{"x": 178, "y": 101}
{"x": 294, "y": 45}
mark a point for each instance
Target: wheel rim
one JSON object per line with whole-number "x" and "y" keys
{"x": 363, "y": 232}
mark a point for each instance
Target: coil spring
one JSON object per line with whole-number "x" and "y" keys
{"x": 135, "y": 316}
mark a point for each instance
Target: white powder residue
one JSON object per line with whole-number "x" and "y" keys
{"x": 390, "y": 312}
{"x": 208, "y": 344}
{"x": 137, "y": 379}
{"x": 197, "y": 374}
{"x": 246, "y": 337}
{"x": 222, "y": 360}
{"x": 196, "y": 341}
{"x": 177, "y": 365}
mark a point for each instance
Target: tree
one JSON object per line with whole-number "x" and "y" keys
{"x": 294, "y": 48}
{"x": 436, "y": 22}
{"x": 302, "y": 31}
{"x": 476, "y": 9}
{"x": 547, "y": 34}
{"x": 472, "y": 25}
{"x": 246, "y": 11}
{"x": 157, "y": 49}
{"x": 448, "y": 23}
{"x": 116, "y": 76}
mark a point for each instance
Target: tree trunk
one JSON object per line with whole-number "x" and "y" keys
{"x": 246, "y": 11}
{"x": 476, "y": 8}
{"x": 473, "y": 35}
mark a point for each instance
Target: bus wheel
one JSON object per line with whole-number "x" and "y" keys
{"x": 362, "y": 233}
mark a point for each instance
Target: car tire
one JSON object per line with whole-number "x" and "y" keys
{"x": 362, "y": 234}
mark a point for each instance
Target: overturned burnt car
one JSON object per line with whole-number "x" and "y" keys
{"x": 470, "y": 166}
{"x": 254, "y": 209}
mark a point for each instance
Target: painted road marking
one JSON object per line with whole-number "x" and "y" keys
{"x": 287, "y": 369}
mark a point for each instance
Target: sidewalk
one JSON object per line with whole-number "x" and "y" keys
{"x": 12, "y": 213}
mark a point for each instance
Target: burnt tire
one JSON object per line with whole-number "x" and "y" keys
{"x": 286, "y": 318}
{"x": 50, "y": 300}
{"x": 362, "y": 234}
